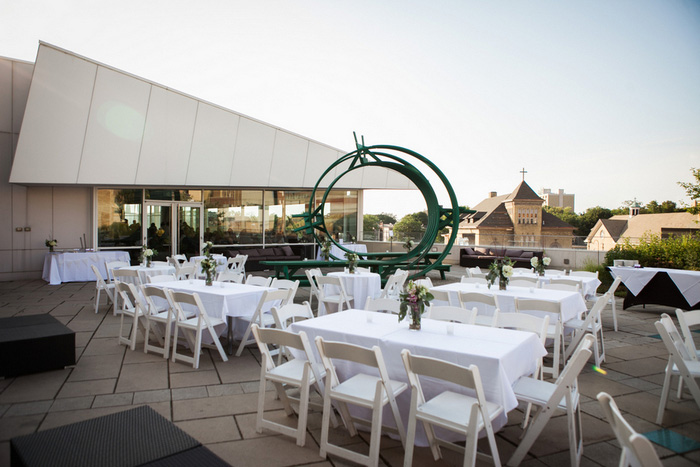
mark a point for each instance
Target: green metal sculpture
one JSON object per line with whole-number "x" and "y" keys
{"x": 392, "y": 158}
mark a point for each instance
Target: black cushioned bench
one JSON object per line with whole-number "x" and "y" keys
{"x": 34, "y": 343}
{"x": 135, "y": 437}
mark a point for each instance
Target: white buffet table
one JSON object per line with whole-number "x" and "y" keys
{"x": 503, "y": 356}
{"x": 359, "y": 285}
{"x": 75, "y": 267}
{"x": 340, "y": 254}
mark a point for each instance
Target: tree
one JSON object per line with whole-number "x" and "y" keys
{"x": 411, "y": 226}
{"x": 693, "y": 190}
{"x": 566, "y": 214}
{"x": 589, "y": 218}
{"x": 370, "y": 226}
{"x": 387, "y": 218}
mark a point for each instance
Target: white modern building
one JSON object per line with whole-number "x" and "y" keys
{"x": 90, "y": 151}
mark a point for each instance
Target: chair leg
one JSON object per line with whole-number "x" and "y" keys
{"x": 97, "y": 300}
{"x": 375, "y": 434}
{"x": 197, "y": 348}
{"x": 614, "y": 313}
{"x": 411, "y": 432}
{"x": 326, "y": 418}
{"x": 664, "y": 392}
{"x": 261, "y": 398}
{"x": 303, "y": 414}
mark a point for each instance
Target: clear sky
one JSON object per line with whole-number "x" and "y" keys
{"x": 598, "y": 97}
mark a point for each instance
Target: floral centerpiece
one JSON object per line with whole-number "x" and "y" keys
{"x": 408, "y": 244}
{"x": 147, "y": 255}
{"x": 538, "y": 265}
{"x": 208, "y": 264}
{"x": 51, "y": 243}
{"x": 326, "y": 250}
{"x": 413, "y": 300}
{"x": 352, "y": 258}
{"x": 500, "y": 269}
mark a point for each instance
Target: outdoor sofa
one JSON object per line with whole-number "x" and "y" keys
{"x": 484, "y": 256}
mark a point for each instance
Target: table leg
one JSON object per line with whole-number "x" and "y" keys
{"x": 229, "y": 335}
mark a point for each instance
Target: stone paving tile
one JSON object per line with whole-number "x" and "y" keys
{"x": 224, "y": 390}
{"x": 87, "y": 388}
{"x": 36, "y": 387}
{"x": 225, "y": 405}
{"x": 205, "y": 362}
{"x": 108, "y": 330}
{"x": 143, "y": 376}
{"x": 194, "y": 392}
{"x": 640, "y": 367}
{"x": 28, "y": 408}
{"x": 591, "y": 384}
{"x": 212, "y": 430}
{"x": 137, "y": 356}
{"x": 266, "y": 451}
{"x": 146, "y": 397}
{"x": 246, "y": 368}
{"x": 645, "y": 406}
{"x": 113, "y": 400}
{"x": 18, "y": 426}
{"x": 104, "y": 347}
{"x": 72, "y": 403}
{"x": 97, "y": 367}
{"x": 198, "y": 378}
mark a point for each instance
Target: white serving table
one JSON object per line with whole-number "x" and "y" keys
{"x": 75, "y": 267}
{"x": 662, "y": 286}
{"x": 360, "y": 285}
{"x": 589, "y": 285}
{"x": 340, "y": 254}
{"x": 154, "y": 270}
{"x": 572, "y": 303}
{"x": 503, "y": 356}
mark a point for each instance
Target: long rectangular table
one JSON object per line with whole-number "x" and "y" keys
{"x": 676, "y": 288}
{"x": 75, "y": 267}
{"x": 502, "y": 355}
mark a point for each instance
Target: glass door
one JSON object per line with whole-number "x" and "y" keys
{"x": 159, "y": 233}
{"x": 189, "y": 229}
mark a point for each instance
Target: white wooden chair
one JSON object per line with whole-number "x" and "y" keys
{"x": 522, "y": 271}
{"x": 637, "y": 450}
{"x": 588, "y": 274}
{"x": 555, "y": 330}
{"x": 473, "y": 280}
{"x": 548, "y": 398}
{"x": 527, "y": 282}
{"x": 311, "y": 275}
{"x": 554, "y": 272}
{"x": 475, "y": 270}
{"x": 193, "y": 328}
{"x": 263, "y": 319}
{"x": 458, "y": 412}
{"x": 160, "y": 278}
{"x": 110, "y": 266}
{"x": 394, "y": 285}
{"x": 468, "y": 299}
{"x": 443, "y": 296}
{"x": 680, "y": 363}
{"x": 286, "y": 284}
{"x": 186, "y": 271}
{"x": 133, "y": 307}
{"x": 564, "y": 284}
{"x": 124, "y": 275}
{"x": 230, "y": 276}
{"x": 363, "y": 390}
{"x": 686, "y": 320}
{"x": 258, "y": 281}
{"x": 427, "y": 282}
{"x": 237, "y": 264}
{"x": 158, "y": 320}
{"x": 332, "y": 291}
{"x": 291, "y": 313}
{"x": 298, "y": 373}
{"x": 612, "y": 299}
{"x": 590, "y": 324}
{"x": 101, "y": 285}
{"x": 180, "y": 258}
{"x": 452, "y": 313}
{"x": 383, "y": 304}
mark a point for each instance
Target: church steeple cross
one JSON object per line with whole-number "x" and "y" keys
{"x": 523, "y": 172}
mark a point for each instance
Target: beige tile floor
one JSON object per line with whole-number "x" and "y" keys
{"x": 216, "y": 403}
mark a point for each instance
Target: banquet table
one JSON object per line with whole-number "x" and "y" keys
{"x": 221, "y": 262}
{"x": 502, "y": 355}
{"x": 154, "y": 270}
{"x": 589, "y": 285}
{"x": 572, "y": 303}
{"x": 340, "y": 254}
{"x": 75, "y": 267}
{"x": 360, "y": 285}
{"x": 224, "y": 300}
{"x": 678, "y": 288}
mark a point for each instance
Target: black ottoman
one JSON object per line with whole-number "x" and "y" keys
{"x": 34, "y": 343}
{"x": 134, "y": 437}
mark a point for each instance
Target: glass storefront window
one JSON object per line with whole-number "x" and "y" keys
{"x": 119, "y": 217}
{"x": 280, "y": 206}
{"x": 233, "y": 217}
{"x": 174, "y": 195}
{"x": 341, "y": 214}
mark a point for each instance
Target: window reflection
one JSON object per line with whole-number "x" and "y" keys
{"x": 119, "y": 217}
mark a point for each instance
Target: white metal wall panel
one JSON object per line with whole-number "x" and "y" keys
{"x": 253, "y": 157}
{"x": 72, "y": 215}
{"x": 167, "y": 139}
{"x": 212, "y": 146}
{"x": 115, "y": 129}
{"x": 5, "y": 96}
{"x": 288, "y": 160}
{"x": 21, "y": 79}
{"x": 6, "y": 227}
{"x": 40, "y": 216}
{"x": 53, "y": 129}
{"x": 317, "y": 161}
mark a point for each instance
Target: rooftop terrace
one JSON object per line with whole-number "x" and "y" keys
{"x": 216, "y": 404}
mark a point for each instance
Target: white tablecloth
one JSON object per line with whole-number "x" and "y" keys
{"x": 221, "y": 262}
{"x": 154, "y": 270}
{"x": 572, "y": 303}
{"x": 589, "y": 285}
{"x": 75, "y": 267}
{"x": 635, "y": 279}
{"x": 338, "y": 253}
{"x": 360, "y": 285}
{"x": 503, "y": 356}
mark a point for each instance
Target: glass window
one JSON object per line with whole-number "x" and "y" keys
{"x": 174, "y": 195}
{"x": 233, "y": 216}
{"x": 280, "y": 206}
{"x": 341, "y": 214}
{"x": 119, "y": 218}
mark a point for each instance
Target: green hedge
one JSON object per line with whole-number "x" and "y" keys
{"x": 677, "y": 252}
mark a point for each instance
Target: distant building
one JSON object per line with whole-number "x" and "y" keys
{"x": 607, "y": 233}
{"x": 514, "y": 219}
{"x": 557, "y": 200}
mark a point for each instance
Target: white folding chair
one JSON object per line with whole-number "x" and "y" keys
{"x": 332, "y": 291}
{"x": 134, "y": 308}
{"x": 362, "y": 389}
{"x": 385, "y": 305}
{"x": 637, "y": 450}
{"x": 425, "y": 282}
{"x": 680, "y": 363}
{"x": 525, "y": 322}
{"x": 258, "y": 281}
{"x": 522, "y": 271}
{"x": 554, "y": 272}
{"x": 110, "y": 266}
{"x": 158, "y": 319}
{"x": 452, "y": 313}
{"x": 230, "y": 276}
{"x": 475, "y": 270}
{"x": 299, "y": 373}
{"x": 124, "y": 275}
{"x": 193, "y": 328}
{"x": 462, "y": 413}
{"x": 555, "y": 330}
{"x": 180, "y": 258}
{"x": 263, "y": 319}
{"x": 564, "y": 284}
{"x": 528, "y": 282}
{"x": 590, "y": 324}
{"x": 468, "y": 299}
{"x": 186, "y": 271}
{"x": 237, "y": 264}
{"x": 473, "y": 280}
{"x": 291, "y": 313}
{"x": 286, "y": 284}
{"x": 584, "y": 274}
{"x": 442, "y": 296}
{"x": 101, "y": 285}
{"x": 548, "y": 398}
{"x": 394, "y": 285}
{"x": 160, "y": 278}
{"x": 311, "y": 275}
{"x": 686, "y": 320}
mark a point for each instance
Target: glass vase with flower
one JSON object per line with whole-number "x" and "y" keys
{"x": 51, "y": 243}
{"x": 538, "y": 265}
{"x": 413, "y": 300}
{"x": 501, "y": 270}
{"x": 147, "y": 255}
{"x": 352, "y": 258}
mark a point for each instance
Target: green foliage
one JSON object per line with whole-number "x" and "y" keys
{"x": 387, "y": 218}
{"x": 583, "y": 222}
{"x": 678, "y": 252}
{"x": 411, "y": 226}
{"x": 693, "y": 190}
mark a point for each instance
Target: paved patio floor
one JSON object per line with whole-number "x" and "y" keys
{"x": 216, "y": 404}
